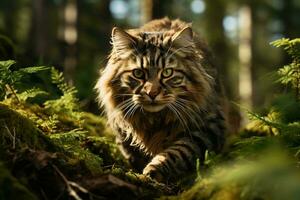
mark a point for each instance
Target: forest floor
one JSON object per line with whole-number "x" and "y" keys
{"x": 51, "y": 149}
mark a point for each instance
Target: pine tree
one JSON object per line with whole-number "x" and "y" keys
{"x": 283, "y": 118}
{"x": 290, "y": 74}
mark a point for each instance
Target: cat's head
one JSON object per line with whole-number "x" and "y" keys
{"x": 153, "y": 71}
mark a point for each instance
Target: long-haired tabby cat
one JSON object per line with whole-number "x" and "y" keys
{"x": 162, "y": 97}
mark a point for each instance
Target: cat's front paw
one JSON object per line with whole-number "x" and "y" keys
{"x": 152, "y": 172}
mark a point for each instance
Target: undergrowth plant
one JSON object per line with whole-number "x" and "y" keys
{"x": 263, "y": 161}
{"x": 68, "y": 101}
{"x": 290, "y": 74}
{"x": 284, "y": 116}
{"x": 67, "y": 106}
{"x": 9, "y": 78}
{"x": 51, "y": 115}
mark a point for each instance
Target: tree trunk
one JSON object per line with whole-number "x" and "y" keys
{"x": 289, "y": 28}
{"x": 40, "y": 21}
{"x": 70, "y": 34}
{"x": 213, "y": 25}
{"x": 245, "y": 58}
{"x": 146, "y": 11}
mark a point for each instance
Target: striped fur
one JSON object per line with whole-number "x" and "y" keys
{"x": 162, "y": 98}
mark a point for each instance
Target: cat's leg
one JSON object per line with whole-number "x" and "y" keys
{"x": 136, "y": 158}
{"x": 176, "y": 160}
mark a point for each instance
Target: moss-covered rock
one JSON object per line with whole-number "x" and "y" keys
{"x": 18, "y": 131}
{"x": 47, "y": 163}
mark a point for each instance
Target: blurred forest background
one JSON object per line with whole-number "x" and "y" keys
{"x": 74, "y": 36}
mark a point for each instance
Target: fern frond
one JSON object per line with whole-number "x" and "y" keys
{"x": 67, "y": 102}
{"x": 58, "y": 79}
{"x": 6, "y": 64}
{"x": 31, "y": 70}
{"x": 31, "y": 93}
{"x": 67, "y": 106}
{"x": 9, "y": 78}
{"x": 6, "y": 75}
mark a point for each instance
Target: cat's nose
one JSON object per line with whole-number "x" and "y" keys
{"x": 152, "y": 89}
{"x": 153, "y": 93}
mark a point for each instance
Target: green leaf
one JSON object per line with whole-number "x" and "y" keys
{"x": 280, "y": 42}
{"x": 31, "y": 93}
{"x": 7, "y": 64}
{"x": 292, "y": 47}
{"x": 30, "y": 70}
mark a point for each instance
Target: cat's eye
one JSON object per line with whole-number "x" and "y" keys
{"x": 138, "y": 73}
{"x": 166, "y": 73}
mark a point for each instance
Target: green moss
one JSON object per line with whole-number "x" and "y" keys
{"x": 51, "y": 122}
{"x": 271, "y": 176}
{"x": 18, "y": 131}
{"x": 70, "y": 144}
{"x": 95, "y": 125}
{"x": 55, "y": 140}
{"x": 106, "y": 149}
{"x": 148, "y": 188}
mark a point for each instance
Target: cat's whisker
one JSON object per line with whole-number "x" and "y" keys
{"x": 134, "y": 110}
{"x": 183, "y": 113}
{"x": 181, "y": 118}
{"x": 129, "y": 113}
{"x": 127, "y": 106}
{"x": 190, "y": 102}
{"x": 123, "y": 104}
{"x": 195, "y": 108}
{"x": 191, "y": 114}
{"x": 120, "y": 107}
{"x": 128, "y": 109}
{"x": 185, "y": 109}
{"x": 176, "y": 114}
{"x": 186, "y": 102}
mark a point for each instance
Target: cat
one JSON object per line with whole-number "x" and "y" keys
{"x": 162, "y": 97}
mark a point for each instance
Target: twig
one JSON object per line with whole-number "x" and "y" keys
{"x": 43, "y": 194}
{"x": 80, "y": 188}
{"x": 13, "y": 91}
{"x": 297, "y": 86}
{"x": 69, "y": 185}
{"x": 13, "y": 136}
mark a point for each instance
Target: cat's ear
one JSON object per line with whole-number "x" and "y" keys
{"x": 123, "y": 43}
{"x": 183, "y": 38}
